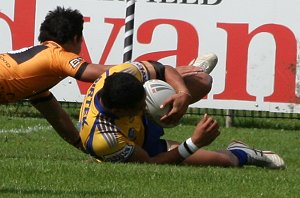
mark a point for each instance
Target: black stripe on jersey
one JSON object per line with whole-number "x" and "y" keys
{"x": 23, "y": 56}
{"x": 81, "y": 70}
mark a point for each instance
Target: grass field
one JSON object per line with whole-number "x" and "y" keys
{"x": 36, "y": 162}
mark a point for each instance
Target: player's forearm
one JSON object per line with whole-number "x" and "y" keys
{"x": 140, "y": 156}
{"x": 65, "y": 128}
{"x": 60, "y": 121}
{"x": 170, "y": 157}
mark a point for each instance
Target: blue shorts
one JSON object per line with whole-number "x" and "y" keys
{"x": 153, "y": 145}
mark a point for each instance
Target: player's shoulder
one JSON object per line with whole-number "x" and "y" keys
{"x": 53, "y": 50}
{"x": 61, "y": 58}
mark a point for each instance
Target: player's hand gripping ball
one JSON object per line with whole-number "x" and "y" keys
{"x": 157, "y": 91}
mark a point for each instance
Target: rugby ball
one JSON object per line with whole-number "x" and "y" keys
{"x": 157, "y": 91}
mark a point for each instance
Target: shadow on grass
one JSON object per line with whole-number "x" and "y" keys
{"x": 49, "y": 192}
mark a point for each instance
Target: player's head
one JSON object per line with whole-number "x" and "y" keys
{"x": 123, "y": 94}
{"x": 61, "y": 26}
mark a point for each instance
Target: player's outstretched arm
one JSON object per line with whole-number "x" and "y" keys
{"x": 51, "y": 109}
{"x": 206, "y": 131}
{"x": 93, "y": 71}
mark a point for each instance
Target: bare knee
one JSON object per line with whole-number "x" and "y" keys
{"x": 199, "y": 85}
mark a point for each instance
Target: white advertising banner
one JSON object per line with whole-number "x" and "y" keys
{"x": 256, "y": 42}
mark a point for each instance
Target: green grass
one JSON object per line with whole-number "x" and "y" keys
{"x": 40, "y": 164}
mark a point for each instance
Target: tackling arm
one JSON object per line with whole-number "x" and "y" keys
{"x": 93, "y": 71}
{"x": 51, "y": 109}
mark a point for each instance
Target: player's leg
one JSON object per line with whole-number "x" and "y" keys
{"x": 237, "y": 154}
{"x": 221, "y": 158}
{"x": 203, "y": 157}
{"x": 256, "y": 157}
{"x": 196, "y": 75}
{"x": 199, "y": 85}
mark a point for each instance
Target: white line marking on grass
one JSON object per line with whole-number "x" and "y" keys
{"x": 37, "y": 128}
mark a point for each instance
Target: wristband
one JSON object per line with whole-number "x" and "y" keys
{"x": 191, "y": 145}
{"x": 187, "y": 148}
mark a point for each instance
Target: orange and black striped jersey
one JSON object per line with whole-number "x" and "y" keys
{"x": 30, "y": 71}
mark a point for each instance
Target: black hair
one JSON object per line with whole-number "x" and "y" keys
{"x": 61, "y": 25}
{"x": 122, "y": 90}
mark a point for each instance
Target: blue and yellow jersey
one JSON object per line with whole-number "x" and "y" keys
{"x": 105, "y": 136}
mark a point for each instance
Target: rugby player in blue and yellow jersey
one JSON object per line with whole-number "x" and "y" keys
{"x": 114, "y": 128}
